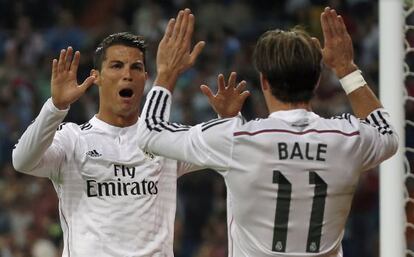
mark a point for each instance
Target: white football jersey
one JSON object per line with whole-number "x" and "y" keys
{"x": 114, "y": 199}
{"x": 290, "y": 177}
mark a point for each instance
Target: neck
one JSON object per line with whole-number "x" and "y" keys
{"x": 275, "y": 105}
{"x": 118, "y": 120}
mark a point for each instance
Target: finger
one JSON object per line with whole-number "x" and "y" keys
{"x": 232, "y": 80}
{"x": 75, "y": 62}
{"x": 184, "y": 24}
{"x": 207, "y": 92}
{"x": 177, "y": 24}
{"x": 169, "y": 29}
{"x": 241, "y": 86}
{"x": 68, "y": 58}
{"x": 334, "y": 22}
{"x": 61, "y": 61}
{"x": 196, "y": 51}
{"x": 189, "y": 30}
{"x": 331, "y": 17}
{"x": 327, "y": 34}
{"x": 54, "y": 68}
{"x": 341, "y": 26}
{"x": 221, "y": 85}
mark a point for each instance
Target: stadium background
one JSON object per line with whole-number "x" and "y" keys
{"x": 32, "y": 32}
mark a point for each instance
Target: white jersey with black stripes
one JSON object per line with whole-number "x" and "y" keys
{"x": 114, "y": 199}
{"x": 290, "y": 177}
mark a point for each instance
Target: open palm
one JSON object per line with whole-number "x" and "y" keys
{"x": 228, "y": 100}
{"x": 64, "y": 86}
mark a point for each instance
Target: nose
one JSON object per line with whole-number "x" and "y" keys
{"x": 127, "y": 74}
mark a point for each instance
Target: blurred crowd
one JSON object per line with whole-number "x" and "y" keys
{"x": 32, "y": 32}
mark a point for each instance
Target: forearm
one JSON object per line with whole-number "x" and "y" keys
{"x": 363, "y": 101}
{"x": 37, "y": 138}
{"x": 166, "y": 79}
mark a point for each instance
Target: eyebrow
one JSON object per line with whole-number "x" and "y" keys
{"x": 139, "y": 62}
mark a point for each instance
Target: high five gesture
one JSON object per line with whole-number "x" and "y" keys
{"x": 174, "y": 54}
{"x": 64, "y": 85}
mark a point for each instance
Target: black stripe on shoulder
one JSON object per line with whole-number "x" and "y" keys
{"x": 204, "y": 124}
{"x": 85, "y": 126}
{"x": 214, "y": 124}
{"x": 344, "y": 116}
{"x": 244, "y": 121}
{"x": 60, "y": 127}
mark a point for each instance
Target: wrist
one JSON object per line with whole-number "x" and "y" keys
{"x": 166, "y": 80}
{"x": 352, "y": 81}
{"x": 343, "y": 71}
{"x": 60, "y": 106}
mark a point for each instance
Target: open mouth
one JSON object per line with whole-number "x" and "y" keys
{"x": 127, "y": 93}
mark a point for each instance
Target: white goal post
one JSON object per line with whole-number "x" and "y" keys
{"x": 392, "y": 172}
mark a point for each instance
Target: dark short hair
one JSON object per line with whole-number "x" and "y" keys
{"x": 122, "y": 38}
{"x": 291, "y": 62}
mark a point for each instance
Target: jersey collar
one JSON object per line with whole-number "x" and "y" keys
{"x": 102, "y": 125}
{"x": 294, "y": 115}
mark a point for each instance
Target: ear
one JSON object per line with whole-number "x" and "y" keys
{"x": 96, "y": 74}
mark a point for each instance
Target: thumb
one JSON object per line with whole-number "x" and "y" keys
{"x": 244, "y": 96}
{"x": 87, "y": 83}
{"x": 207, "y": 92}
{"x": 196, "y": 51}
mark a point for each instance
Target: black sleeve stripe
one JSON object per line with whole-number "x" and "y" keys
{"x": 153, "y": 106}
{"x": 382, "y": 127}
{"x": 175, "y": 125}
{"x": 372, "y": 116}
{"x": 168, "y": 127}
{"x": 154, "y": 112}
{"x": 164, "y": 105}
{"x": 383, "y": 120}
{"x": 214, "y": 124}
{"x": 152, "y": 96}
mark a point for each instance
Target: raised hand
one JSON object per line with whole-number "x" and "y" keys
{"x": 174, "y": 54}
{"x": 338, "y": 53}
{"x": 228, "y": 100}
{"x": 64, "y": 86}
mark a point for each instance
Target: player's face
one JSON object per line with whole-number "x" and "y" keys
{"x": 121, "y": 83}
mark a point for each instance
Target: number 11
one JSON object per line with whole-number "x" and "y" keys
{"x": 283, "y": 207}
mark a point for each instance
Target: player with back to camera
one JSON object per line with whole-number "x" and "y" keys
{"x": 114, "y": 199}
{"x": 290, "y": 177}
